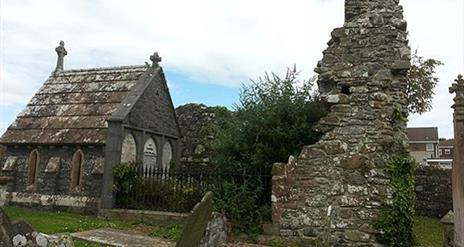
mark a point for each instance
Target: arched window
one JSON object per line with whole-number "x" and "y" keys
{"x": 149, "y": 154}
{"x": 167, "y": 155}
{"x": 76, "y": 169}
{"x": 129, "y": 149}
{"x": 32, "y": 169}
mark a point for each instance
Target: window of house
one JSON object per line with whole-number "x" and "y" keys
{"x": 129, "y": 149}
{"x": 149, "y": 154}
{"x": 167, "y": 155}
{"x": 76, "y": 169}
{"x": 429, "y": 147}
{"x": 447, "y": 151}
{"x": 33, "y": 165}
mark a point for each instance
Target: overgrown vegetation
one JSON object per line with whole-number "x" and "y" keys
{"x": 396, "y": 222}
{"x": 272, "y": 121}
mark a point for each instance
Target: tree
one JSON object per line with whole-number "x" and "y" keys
{"x": 272, "y": 121}
{"x": 421, "y": 82}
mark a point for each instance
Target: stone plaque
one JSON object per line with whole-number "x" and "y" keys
{"x": 149, "y": 154}
{"x": 53, "y": 165}
{"x": 10, "y": 163}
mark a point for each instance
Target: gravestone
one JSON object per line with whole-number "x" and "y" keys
{"x": 20, "y": 233}
{"x": 216, "y": 231}
{"x": 447, "y": 223}
{"x": 197, "y": 222}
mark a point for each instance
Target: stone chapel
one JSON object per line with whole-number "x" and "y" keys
{"x": 61, "y": 149}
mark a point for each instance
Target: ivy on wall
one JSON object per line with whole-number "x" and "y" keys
{"x": 395, "y": 224}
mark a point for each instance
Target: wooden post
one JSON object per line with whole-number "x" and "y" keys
{"x": 458, "y": 162}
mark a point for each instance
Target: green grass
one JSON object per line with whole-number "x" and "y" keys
{"x": 61, "y": 222}
{"x": 171, "y": 232}
{"x": 428, "y": 231}
{"x": 65, "y": 222}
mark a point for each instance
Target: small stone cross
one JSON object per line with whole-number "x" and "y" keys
{"x": 155, "y": 58}
{"x": 61, "y": 51}
{"x": 458, "y": 88}
{"x": 459, "y": 85}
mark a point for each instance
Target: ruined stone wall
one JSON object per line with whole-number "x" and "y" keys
{"x": 434, "y": 195}
{"x": 362, "y": 74}
{"x": 199, "y": 124}
{"x": 55, "y": 180}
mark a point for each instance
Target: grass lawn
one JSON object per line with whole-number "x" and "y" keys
{"x": 427, "y": 230}
{"x": 64, "y": 222}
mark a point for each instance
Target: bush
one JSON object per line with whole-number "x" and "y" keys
{"x": 240, "y": 204}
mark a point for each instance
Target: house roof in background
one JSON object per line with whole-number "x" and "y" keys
{"x": 73, "y": 106}
{"x": 423, "y": 134}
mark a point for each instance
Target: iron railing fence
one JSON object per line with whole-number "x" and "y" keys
{"x": 178, "y": 190}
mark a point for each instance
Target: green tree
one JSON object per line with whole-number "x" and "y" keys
{"x": 421, "y": 82}
{"x": 273, "y": 120}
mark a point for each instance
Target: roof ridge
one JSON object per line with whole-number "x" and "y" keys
{"x": 100, "y": 69}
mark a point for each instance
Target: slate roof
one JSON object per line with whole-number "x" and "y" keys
{"x": 73, "y": 105}
{"x": 424, "y": 134}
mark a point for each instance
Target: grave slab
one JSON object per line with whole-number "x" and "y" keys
{"x": 120, "y": 238}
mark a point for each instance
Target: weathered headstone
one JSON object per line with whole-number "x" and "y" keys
{"x": 197, "y": 222}
{"x": 21, "y": 234}
{"x": 447, "y": 223}
{"x": 216, "y": 231}
{"x": 458, "y": 162}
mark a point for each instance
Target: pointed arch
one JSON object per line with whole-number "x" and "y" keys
{"x": 128, "y": 149}
{"x": 167, "y": 155}
{"x": 77, "y": 166}
{"x": 33, "y": 167}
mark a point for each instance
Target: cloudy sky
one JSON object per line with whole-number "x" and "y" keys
{"x": 209, "y": 47}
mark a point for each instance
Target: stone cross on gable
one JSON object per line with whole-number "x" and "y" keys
{"x": 458, "y": 86}
{"x": 155, "y": 58}
{"x": 61, "y": 51}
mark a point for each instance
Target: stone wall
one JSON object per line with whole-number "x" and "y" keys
{"x": 434, "y": 196}
{"x": 154, "y": 110}
{"x": 199, "y": 124}
{"x": 55, "y": 181}
{"x": 333, "y": 191}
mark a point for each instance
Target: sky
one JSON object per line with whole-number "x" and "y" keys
{"x": 209, "y": 47}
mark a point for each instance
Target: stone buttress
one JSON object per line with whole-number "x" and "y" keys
{"x": 362, "y": 75}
